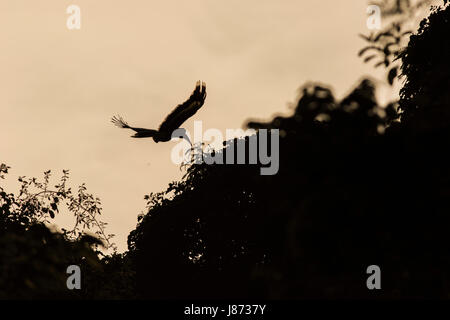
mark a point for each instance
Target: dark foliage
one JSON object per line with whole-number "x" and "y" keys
{"x": 424, "y": 97}
{"x": 34, "y": 259}
{"x": 385, "y": 45}
{"x": 355, "y": 188}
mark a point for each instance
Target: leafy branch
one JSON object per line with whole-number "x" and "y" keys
{"x": 38, "y": 202}
{"x": 385, "y": 46}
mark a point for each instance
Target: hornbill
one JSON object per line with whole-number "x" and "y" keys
{"x": 171, "y": 125}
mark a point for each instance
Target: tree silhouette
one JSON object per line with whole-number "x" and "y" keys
{"x": 34, "y": 258}
{"x": 356, "y": 187}
{"x": 424, "y": 97}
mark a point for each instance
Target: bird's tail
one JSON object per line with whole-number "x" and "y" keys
{"x": 118, "y": 121}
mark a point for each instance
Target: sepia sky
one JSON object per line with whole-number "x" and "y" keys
{"x": 140, "y": 58}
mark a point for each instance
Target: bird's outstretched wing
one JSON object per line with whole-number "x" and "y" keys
{"x": 140, "y": 132}
{"x": 185, "y": 110}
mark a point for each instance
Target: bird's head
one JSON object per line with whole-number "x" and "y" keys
{"x": 182, "y": 134}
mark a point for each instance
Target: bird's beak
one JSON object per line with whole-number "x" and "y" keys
{"x": 185, "y": 136}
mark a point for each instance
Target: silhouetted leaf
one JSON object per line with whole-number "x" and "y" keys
{"x": 383, "y": 34}
{"x": 367, "y": 38}
{"x": 369, "y": 58}
{"x": 391, "y": 75}
{"x": 364, "y": 50}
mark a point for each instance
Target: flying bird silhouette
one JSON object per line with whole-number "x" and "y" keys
{"x": 171, "y": 125}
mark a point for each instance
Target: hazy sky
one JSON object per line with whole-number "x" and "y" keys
{"x": 140, "y": 58}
